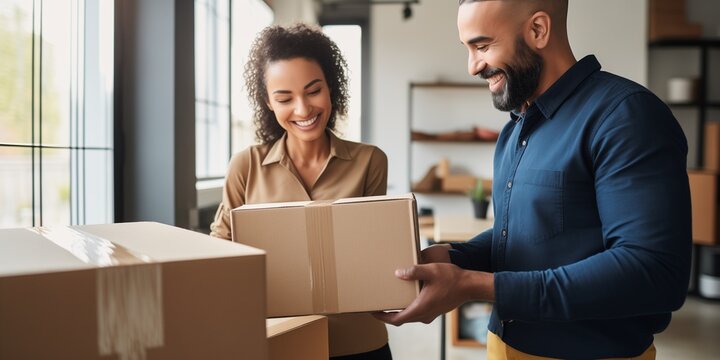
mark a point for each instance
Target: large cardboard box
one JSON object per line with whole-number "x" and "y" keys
{"x": 704, "y": 199}
{"x": 304, "y": 337}
{"x": 129, "y": 291}
{"x": 667, "y": 19}
{"x": 326, "y": 257}
{"x": 712, "y": 146}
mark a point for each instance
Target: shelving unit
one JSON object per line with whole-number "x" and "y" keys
{"x": 441, "y": 108}
{"x": 703, "y": 102}
{"x": 457, "y": 337}
{"x": 705, "y": 54}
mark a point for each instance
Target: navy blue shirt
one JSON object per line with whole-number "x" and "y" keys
{"x": 591, "y": 243}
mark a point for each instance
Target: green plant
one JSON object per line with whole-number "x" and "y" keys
{"x": 477, "y": 193}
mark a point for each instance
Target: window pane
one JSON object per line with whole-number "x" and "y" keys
{"x": 222, "y": 70}
{"x": 218, "y": 140}
{"x": 201, "y": 151}
{"x": 98, "y": 191}
{"x": 16, "y": 71}
{"x": 56, "y": 71}
{"x": 212, "y": 93}
{"x": 211, "y": 140}
{"x": 201, "y": 49}
{"x": 55, "y": 187}
{"x": 98, "y": 103}
{"x": 349, "y": 39}
{"x": 248, "y": 18}
{"x": 15, "y": 187}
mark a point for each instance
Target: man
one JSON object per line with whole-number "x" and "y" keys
{"x": 590, "y": 251}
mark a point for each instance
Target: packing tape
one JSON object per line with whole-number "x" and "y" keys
{"x": 321, "y": 251}
{"x": 129, "y": 298}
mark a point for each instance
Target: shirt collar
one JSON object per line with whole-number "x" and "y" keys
{"x": 558, "y": 92}
{"x": 278, "y": 151}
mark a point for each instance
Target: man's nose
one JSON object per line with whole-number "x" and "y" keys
{"x": 476, "y": 64}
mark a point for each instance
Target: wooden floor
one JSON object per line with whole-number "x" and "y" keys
{"x": 693, "y": 334}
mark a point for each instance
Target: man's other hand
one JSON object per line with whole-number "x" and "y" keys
{"x": 445, "y": 287}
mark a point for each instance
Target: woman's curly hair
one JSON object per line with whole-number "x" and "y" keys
{"x": 276, "y": 43}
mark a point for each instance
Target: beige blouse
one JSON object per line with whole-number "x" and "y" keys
{"x": 265, "y": 173}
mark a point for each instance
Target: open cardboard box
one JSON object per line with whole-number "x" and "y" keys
{"x": 327, "y": 257}
{"x": 303, "y": 337}
{"x": 129, "y": 291}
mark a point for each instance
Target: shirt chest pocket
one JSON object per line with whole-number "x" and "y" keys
{"x": 538, "y": 207}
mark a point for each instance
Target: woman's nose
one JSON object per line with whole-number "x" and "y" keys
{"x": 303, "y": 108}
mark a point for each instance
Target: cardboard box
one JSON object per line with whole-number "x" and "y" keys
{"x": 667, "y": 19}
{"x": 327, "y": 257}
{"x": 304, "y": 337}
{"x": 458, "y": 183}
{"x": 712, "y": 146}
{"x": 704, "y": 198}
{"x": 129, "y": 291}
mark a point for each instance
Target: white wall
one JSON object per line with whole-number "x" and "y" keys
{"x": 426, "y": 48}
{"x": 287, "y": 12}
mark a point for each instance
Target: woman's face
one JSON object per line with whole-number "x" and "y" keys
{"x": 299, "y": 96}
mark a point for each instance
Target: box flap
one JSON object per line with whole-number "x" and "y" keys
{"x": 276, "y": 205}
{"x": 279, "y": 326}
{"x": 53, "y": 249}
{"x": 375, "y": 198}
{"x": 164, "y": 243}
{"x": 290, "y": 204}
{"x": 23, "y": 251}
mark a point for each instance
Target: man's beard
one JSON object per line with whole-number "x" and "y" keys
{"x": 521, "y": 78}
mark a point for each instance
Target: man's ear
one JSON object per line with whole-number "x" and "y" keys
{"x": 538, "y": 31}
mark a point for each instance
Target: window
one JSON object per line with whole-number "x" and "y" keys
{"x": 249, "y": 18}
{"x": 212, "y": 89}
{"x": 349, "y": 39}
{"x": 223, "y": 117}
{"x": 56, "y": 90}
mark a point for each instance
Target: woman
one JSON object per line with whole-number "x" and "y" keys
{"x": 297, "y": 83}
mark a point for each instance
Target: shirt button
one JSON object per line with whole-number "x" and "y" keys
{"x": 504, "y": 233}
{"x": 524, "y": 142}
{"x": 509, "y": 185}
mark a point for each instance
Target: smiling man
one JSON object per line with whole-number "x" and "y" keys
{"x": 590, "y": 250}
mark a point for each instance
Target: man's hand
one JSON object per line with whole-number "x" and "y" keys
{"x": 445, "y": 287}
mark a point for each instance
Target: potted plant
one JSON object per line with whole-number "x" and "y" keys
{"x": 479, "y": 199}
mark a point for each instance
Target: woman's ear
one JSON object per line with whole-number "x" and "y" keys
{"x": 269, "y": 106}
{"x": 538, "y": 34}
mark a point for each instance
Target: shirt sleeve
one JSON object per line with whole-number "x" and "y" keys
{"x": 233, "y": 194}
{"x": 376, "y": 182}
{"x": 474, "y": 254}
{"x": 638, "y": 153}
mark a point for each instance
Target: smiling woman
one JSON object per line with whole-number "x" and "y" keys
{"x": 297, "y": 85}
{"x": 299, "y": 97}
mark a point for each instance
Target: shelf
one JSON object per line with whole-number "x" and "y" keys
{"x": 704, "y": 46}
{"x": 700, "y": 42}
{"x": 456, "y": 322}
{"x": 473, "y": 141}
{"x": 473, "y": 136}
{"x": 448, "y": 193}
{"x": 482, "y": 84}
